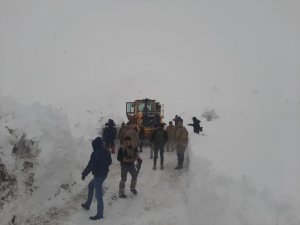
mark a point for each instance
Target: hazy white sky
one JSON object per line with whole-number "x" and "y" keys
{"x": 55, "y": 49}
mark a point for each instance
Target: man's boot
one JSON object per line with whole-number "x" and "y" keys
{"x": 122, "y": 195}
{"x": 85, "y": 206}
{"x": 96, "y": 217}
{"x": 134, "y": 191}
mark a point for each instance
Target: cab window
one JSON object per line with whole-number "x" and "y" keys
{"x": 129, "y": 107}
{"x": 142, "y": 107}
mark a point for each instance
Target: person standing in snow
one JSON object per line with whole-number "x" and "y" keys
{"x": 171, "y": 131}
{"x": 99, "y": 163}
{"x": 122, "y": 131}
{"x": 127, "y": 155}
{"x": 196, "y": 125}
{"x": 132, "y": 132}
{"x": 142, "y": 138}
{"x": 176, "y": 119}
{"x": 181, "y": 141}
{"x": 159, "y": 138}
{"x": 109, "y": 135}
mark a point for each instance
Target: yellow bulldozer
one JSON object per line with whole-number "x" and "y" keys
{"x": 146, "y": 113}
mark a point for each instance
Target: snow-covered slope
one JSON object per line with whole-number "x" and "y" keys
{"x": 44, "y": 160}
{"x": 39, "y": 153}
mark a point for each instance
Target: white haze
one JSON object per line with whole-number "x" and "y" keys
{"x": 240, "y": 58}
{"x": 237, "y": 47}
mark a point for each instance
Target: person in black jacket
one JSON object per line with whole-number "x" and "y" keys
{"x": 176, "y": 120}
{"x": 141, "y": 134}
{"x": 99, "y": 166}
{"x": 109, "y": 135}
{"x": 196, "y": 125}
{"x": 159, "y": 138}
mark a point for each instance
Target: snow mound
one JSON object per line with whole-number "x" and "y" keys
{"x": 210, "y": 115}
{"x": 214, "y": 198}
{"x": 38, "y": 158}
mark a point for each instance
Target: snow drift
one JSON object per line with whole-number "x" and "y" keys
{"x": 38, "y": 159}
{"x": 41, "y": 162}
{"x": 214, "y": 198}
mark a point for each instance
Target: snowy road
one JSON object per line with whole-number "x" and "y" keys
{"x": 161, "y": 199}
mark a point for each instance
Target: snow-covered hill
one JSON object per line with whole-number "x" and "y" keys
{"x": 39, "y": 157}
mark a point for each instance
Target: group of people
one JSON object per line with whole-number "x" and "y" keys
{"x": 132, "y": 140}
{"x": 174, "y": 137}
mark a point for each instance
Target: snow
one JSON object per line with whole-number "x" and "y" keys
{"x": 161, "y": 198}
{"x": 203, "y": 193}
{"x": 44, "y": 140}
{"x": 67, "y": 67}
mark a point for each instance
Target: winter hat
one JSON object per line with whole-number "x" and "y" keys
{"x": 97, "y": 143}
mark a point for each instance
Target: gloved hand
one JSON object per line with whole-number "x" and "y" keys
{"x": 82, "y": 177}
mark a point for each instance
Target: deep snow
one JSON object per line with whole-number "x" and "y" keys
{"x": 200, "y": 194}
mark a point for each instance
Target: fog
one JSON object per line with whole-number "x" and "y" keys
{"x": 57, "y": 49}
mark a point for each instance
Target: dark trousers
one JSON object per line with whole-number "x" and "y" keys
{"x": 141, "y": 145}
{"x": 96, "y": 185}
{"x": 159, "y": 147}
{"x": 180, "y": 155}
{"x": 128, "y": 168}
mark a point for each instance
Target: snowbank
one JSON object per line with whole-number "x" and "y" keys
{"x": 88, "y": 115}
{"x": 37, "y": 148}
{"x": 218, "y": 199}
{"x": 40, "y": 163}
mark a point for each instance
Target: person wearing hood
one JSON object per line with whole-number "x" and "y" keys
{"x": 98, "y": 164}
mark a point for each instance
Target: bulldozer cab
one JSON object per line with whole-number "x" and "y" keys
{"x": 145, "y": 112}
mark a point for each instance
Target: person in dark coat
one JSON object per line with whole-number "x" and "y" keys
{"x": 99, "y": 166}
{"x": 142, "y": 137}
{"x": 196, "y": 125}
{"x": 109, "y": 135}
{"x": 156, "y": 120}
{"x": 176, "y": 119}
{"x": 159, "y": 138}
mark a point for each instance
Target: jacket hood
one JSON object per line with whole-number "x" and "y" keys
{"x": 97, "y": 143}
